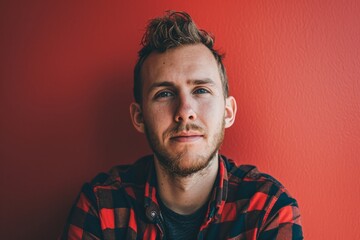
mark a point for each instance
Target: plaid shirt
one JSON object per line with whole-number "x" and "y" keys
{"x": 245, "y": 204}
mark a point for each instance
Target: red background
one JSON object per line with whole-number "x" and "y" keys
{"x": 66, "y": 84}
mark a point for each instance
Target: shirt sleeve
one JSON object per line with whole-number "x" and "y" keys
{"x": 282, "y": 220}
{"x": 83, "y": 222}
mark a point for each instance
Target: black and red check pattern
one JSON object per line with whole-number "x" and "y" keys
{"x": 245, "y": 204}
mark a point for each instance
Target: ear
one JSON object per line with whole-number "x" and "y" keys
{"x": 230, "y": 111}
{"x": 137, "y": 117}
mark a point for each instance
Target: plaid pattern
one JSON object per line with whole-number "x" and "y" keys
{"x": 245, "y": 204}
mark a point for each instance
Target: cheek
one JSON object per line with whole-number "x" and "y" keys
{"x": 157, "y": 118}
{"x": 211, "y": 111}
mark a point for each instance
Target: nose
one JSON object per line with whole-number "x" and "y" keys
{"x": 185, "y": 111}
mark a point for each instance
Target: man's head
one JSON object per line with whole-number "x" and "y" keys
{"x": 174, "y": 30}
{"x": 183, "y": 107}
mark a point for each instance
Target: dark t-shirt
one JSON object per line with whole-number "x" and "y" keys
{"x": 182, "y": 227}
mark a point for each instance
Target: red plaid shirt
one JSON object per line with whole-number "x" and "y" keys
{"x": 245, "y": 204}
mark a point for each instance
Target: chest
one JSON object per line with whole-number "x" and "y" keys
{"x": 126, "y": 224}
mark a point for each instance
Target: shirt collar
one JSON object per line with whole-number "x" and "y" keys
{"x": 216, "y": 202}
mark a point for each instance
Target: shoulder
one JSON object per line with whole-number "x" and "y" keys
{"x": 124, "y": 175}
{"x": 248, "y": 181}
{"x": 261, "y": 196}
{"x": 121, "y": 183}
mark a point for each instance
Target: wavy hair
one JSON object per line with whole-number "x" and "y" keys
{"x": 170, "y": 31}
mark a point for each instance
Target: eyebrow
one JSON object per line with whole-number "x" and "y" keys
{"x": 205, "y": 81}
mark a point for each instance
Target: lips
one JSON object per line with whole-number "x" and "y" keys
{"x": 187, "y": 137}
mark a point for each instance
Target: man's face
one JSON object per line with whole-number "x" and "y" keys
{"x": 184, "y": 111}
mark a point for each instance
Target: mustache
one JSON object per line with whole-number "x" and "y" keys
{"x": 173, "y": 131}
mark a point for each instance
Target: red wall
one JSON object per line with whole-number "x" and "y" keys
{"x": 66, "y": 80}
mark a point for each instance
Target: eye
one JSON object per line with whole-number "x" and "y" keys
{"x": 201, "y": 91}
{"x": 164, "y": 94}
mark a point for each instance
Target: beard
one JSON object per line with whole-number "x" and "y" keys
{"x": 172, "y": 162}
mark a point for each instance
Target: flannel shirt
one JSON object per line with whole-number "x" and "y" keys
{"x": 244, "y": 204}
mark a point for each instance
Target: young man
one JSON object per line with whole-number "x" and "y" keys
{"x": 185, "y": 190}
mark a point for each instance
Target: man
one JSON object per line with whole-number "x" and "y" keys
{"x": 185, "y": 190}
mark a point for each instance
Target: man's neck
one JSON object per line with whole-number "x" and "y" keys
{"x": 185, "y": 195}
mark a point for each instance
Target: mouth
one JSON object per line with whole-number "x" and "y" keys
{"x": 187, "y": 137}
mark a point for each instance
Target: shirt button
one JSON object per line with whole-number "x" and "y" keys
{"x": 153, "y": 214}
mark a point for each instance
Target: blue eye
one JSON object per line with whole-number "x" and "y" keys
{"x": 201, "y": 91}
{"x": 164, "y": 94}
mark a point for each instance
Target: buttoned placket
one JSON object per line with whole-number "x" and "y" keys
{"x": 153, "y": 213}
{"x": 152, "y": 209}
{"x": 217, "y": 202}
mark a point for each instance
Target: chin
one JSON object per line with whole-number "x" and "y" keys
{"x": 191, "y": 164}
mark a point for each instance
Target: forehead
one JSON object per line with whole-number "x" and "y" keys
{"x": 179, "y": 65}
